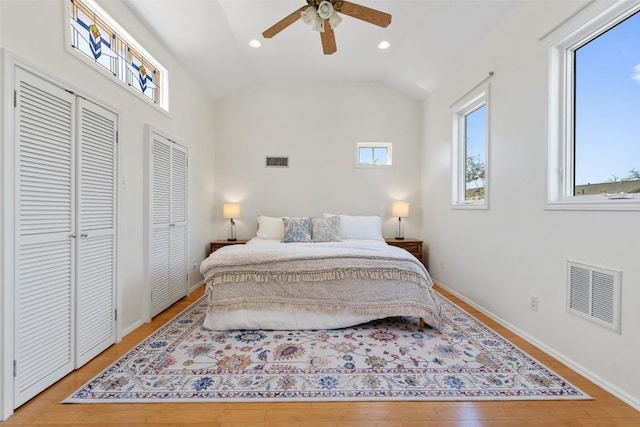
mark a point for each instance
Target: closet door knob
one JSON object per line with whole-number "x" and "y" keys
{"x": 72, "y": 236}
{"x": 84, "y": 235}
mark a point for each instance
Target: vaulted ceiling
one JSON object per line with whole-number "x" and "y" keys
{"x": 211, "y": 38}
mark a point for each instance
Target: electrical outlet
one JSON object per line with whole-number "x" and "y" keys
{"x": 533, "y": 303}
{"x": 194, "y": 265}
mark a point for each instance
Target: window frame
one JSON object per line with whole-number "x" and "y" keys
{"x": 123, "y": 38}
{"x": 373, "y": 145}
{"x": 466, "y": 105}
{"x": 561, "y": 144}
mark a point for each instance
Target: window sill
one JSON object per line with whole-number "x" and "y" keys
{"x": 470, "y": 206}
{"x": 592, "y": 205}
{"x": 365, "y": 166}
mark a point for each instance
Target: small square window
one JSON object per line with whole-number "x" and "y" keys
{"x": 373, "y": 154}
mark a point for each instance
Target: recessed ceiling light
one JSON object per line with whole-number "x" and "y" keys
{"x": 384, "y": 45}
{"x": 255, "y": 43}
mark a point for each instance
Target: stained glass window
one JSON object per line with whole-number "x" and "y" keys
{"x": 114, "y": 50}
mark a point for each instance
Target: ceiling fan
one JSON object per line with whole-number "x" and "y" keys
{"x": 323, "y": 16}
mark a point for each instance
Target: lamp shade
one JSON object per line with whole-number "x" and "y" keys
{"x": 231, "y": 210}
{"x": 400, "y": 209}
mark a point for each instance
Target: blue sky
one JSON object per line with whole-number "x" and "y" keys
{"x": 608, "y": 104}
{"x": 475, "y": 136}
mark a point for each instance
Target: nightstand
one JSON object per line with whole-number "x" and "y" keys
{"x": 413, "y": 246}
{"x": 217, "y": 244}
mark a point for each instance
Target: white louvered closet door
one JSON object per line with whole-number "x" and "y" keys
{"x": 179, "y": 274}
{"x": 96, "y": 218}
{"x": 44, "y": 229}
{"x": 160, "y": 153}
{"x": 169, "y": 244}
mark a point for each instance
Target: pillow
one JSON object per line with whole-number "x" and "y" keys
{"x": 270, "y": 228}
{"x": 296, "y": 230}
{"x": 325, "y": 229}
{"x": 360, "y": 227}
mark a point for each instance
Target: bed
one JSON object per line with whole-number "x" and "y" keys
{"x": 340, "y": 279}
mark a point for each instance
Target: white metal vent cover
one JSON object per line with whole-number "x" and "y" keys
{"x": 594, "y": 294}
{"x": 277, "y": 162}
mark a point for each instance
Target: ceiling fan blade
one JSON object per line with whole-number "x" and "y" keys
{"x": 328, "y": 38}
{"x": 366, "y": 14}
{"x": 283, "y": 23}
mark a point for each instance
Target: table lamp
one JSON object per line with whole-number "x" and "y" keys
{"x": 401, "y": 210}
{"x": 231, "y": 211}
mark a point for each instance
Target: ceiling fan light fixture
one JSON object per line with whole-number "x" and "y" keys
{"x": 322, "y": 16}
{"x": 255, "y": 43}
{"x": 317, "y": 24}
{"x": 335, "y": 20}
{"x": 384, "y": 45}
{"x": 325, "y": 10}
{"x": 308, "y": 15}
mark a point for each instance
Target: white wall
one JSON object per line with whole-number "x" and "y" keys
{"x": 33, "y": 31}
{"x": 498, "y": 258}
{"x": 316, "y": 125}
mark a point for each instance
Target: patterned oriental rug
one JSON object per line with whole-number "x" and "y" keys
{"x": 389, "y": 359}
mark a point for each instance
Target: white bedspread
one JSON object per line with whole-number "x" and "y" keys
{"x": 345, "y": 282}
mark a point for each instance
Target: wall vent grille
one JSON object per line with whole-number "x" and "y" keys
{"x": 277, "y": 162}
{"x": 594, "y": 294}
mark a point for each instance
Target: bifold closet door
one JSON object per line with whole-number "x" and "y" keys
{"x": 160, "y": 193}
{"x": 44, "y": 234}
{"x": 96, "y": 231}
{"x": 168, "y": 216}
{"x": 179, "y": 274}
{"x": 65, "y": 229}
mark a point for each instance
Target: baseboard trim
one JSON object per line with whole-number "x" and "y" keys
{"x": 620, "y": 394}
{"x": 196, "y": 286}
{"x": 139, "y": 323}
{"x": 132, "y": 328}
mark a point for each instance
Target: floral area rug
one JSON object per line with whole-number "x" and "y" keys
{"x": 390, "y": 359}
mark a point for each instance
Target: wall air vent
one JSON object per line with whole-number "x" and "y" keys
{"x": 277, "y": 162}
{"x": 594, "y": 294}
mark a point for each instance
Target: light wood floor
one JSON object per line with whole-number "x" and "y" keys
{"x": 45, "y": 409}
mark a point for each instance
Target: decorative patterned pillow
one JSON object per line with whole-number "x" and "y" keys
{"x": 296, "y": 230}
{"x": 325, "y": 229}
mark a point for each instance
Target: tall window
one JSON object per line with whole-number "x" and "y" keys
{"x": 594, "y": 135}
{"x": 470, "y": 149}
{"x": 103, "y": 42}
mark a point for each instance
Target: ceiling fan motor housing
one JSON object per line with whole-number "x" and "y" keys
{"x": 337, "y": 4}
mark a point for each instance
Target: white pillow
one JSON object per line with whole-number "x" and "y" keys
{"x": 271, "y": 228}
{"x": 360, "y": 227}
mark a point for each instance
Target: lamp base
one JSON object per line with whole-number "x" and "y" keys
{"x": 231, "y": 236}
{"x": 400, "y": 233}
